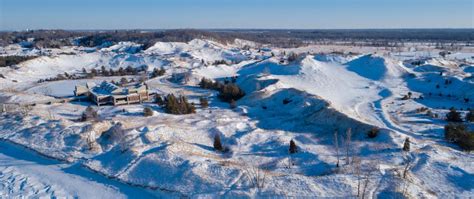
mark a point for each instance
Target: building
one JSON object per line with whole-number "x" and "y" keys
{"x": 108, "y": 93}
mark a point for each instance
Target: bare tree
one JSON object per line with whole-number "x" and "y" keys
{"x": 336, "y": 144}
{"x": 25, "y": 110}
{"x": 256, "y": 176}
{"x": 266, "y": 71}
{"x": 358, "y": 172}
{"x": 290, "y": 162}
{"x": 405, "y": 178}
{"x": 51, "y": 114}
{"x": 348, "y": 145}
{"x": 367, "y": 174}
{"x": 257, "y": 86}
{"x": 143, "y": 77}
{"x": 406, "y": 169}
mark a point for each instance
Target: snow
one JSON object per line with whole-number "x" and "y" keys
{"x": 308, "y": 100}
{"x": 25, "y": 174}
{"x": 197, "y": 48}
{"x": 124, "y": 47}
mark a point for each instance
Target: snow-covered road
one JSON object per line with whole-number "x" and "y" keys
{"x": 25, "y": 174}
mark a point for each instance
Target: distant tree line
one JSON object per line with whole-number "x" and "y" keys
{"x": 13, "y": 60}
{"x": 129, "y": 70}
{"x": 279, "y": 38}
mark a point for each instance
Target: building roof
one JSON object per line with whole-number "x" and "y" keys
{"x": 107, "y": 88}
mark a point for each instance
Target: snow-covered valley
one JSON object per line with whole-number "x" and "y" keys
{"x": 327, "y": 102}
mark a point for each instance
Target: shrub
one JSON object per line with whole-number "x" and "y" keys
{"x": 158, "y": 72}
{"x": 123, "y": 81}
{"x": 453, "y": 115}
{"x": 421, "y": 109}
{"x": 89, "y": 114}
{"x": 219, "y": 62}
{"x": 293, "y": 148}
{"x": 204, "y": 103}
{"x": 373, "y": 132}
{"x": 459, "y": 134}
{"x": 147, "y": 112}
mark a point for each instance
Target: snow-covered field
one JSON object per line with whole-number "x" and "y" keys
{"x": 307, "y": 100}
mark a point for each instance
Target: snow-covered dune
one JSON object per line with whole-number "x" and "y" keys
{"x": 323, "y": 78}
{"x": 124, "y": 47}
{"x": 197, "y": 48}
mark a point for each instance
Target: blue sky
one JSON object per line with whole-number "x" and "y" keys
{"x": 304, "y": 14}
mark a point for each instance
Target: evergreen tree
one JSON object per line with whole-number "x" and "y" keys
{"x": 189, "y": 107}
{"x": 159, "y": 100}
{"x": 129, "y": 70}
{"x": 453, "y": 115}
{"x": 178, "y": 105}
{"x": 104, "y": 71}
{"x": 292, "y": 57}
{"x": 458, "y": 133}
{"x": 373, "y": 132}
{"x": 227, "y": 92}
{"x": 406, "y": 145}
{"x": 217, "y": 143}
{"x": 154, "y": 73}
{"x": 162, "y": 71}
{"x": 171, "y": 105}
{"x": 93, "y": 72}
{"x": 453, "y": 131}
{"x": 121, "y": 71}
{"x": 293, "y": 147}
{"x": 470, "y": 116}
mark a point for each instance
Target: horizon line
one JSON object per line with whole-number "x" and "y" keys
{"x": 229, "y": 29}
